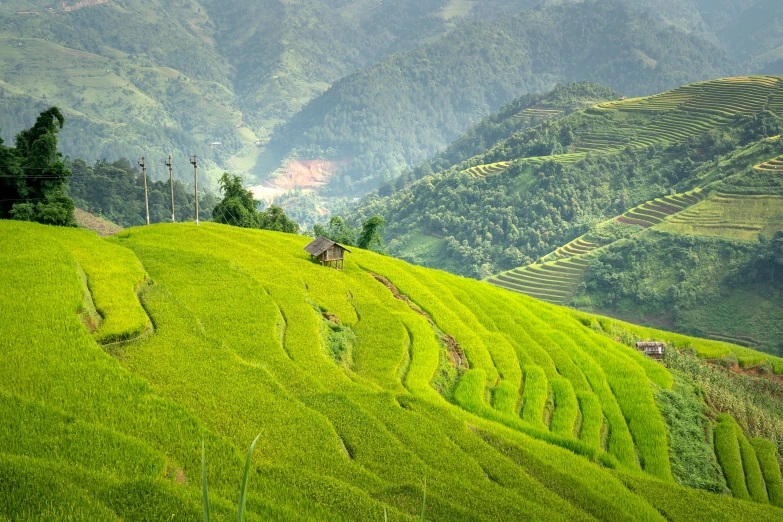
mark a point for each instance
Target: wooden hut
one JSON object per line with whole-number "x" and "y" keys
{"x": 652, "y": 349}
{"x": 327, "y": 252}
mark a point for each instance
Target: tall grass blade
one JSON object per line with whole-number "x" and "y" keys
{"x": 204, "y": 482}
{"x": 424, "y": 500}
{"x": 385, "y": 515}
{"x": 245, "y": 478}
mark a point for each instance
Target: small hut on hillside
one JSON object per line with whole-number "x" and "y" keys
{"x": 327, "y": 252}
{"x": 652, "y": 349}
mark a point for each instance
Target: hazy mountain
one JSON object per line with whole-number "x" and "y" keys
{"x": 384, "y": 118}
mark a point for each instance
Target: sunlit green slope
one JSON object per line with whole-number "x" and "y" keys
{"x": 118, "y": 356}
{"x": 704, "y": 262}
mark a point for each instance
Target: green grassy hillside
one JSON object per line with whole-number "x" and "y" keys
{"x": 120, "y": 355}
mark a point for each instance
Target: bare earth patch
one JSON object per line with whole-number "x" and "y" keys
{"x": 97, "y": 224}
{"x": 311, "y": 174}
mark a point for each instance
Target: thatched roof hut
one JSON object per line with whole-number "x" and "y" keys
{"x": 652, "y": 349}
{"x": 328, "y": 252}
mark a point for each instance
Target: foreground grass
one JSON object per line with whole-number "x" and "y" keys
{"x": 237, "y": 350}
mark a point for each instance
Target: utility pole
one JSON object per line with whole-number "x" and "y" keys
{"x": 171, "y": 184}
{"x": 194, "y": 162}
{"x": 143, "y": 165}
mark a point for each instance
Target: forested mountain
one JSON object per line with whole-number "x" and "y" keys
{"x": 548, "y": 184}
{"x": 522, "y": 113}
{"x": 170, "y": 76}
{"x": 159, "y": 77}
{"x": 756, "y": 36}
{"x": 410, "y": 105}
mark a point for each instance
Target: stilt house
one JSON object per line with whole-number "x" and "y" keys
{"x": 327, "y": 252}
{"x": 652, "y": 349}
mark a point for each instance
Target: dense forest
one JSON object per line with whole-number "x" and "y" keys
{"x": 413, "y": 104}
{"x": 33, "y": 175}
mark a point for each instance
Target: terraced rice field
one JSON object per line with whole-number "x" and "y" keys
{"x": 496, "y": 168}
{"x": 731, "y": 215}
{"x": 485, "y": 170}
{"x": 776, "y": 104}
{"x": 597, "y": 143}
{"x": 655, "y": 212}
{"x": 557, "y": 281}
{"x": 577, "y": 247}
{"x": 362, "y": 383}
{"x": 773, "y": 165}
{"x": 675, "y": 117}
{"x": 725, "y": 97}
{"x": 694, "y": 109}
{"x": 537, "y": 113}
{"x": 554, "y": 282}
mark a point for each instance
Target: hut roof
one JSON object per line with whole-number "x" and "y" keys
{"x": 650, "y": 344}
{"x": 320, "y": 245}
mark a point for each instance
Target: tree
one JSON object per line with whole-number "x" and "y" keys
{"x": 33, "y": 175}
{"x": 115, "y": 191}
{"x": 370, "y": 237}
{"x": 275, "y": 219}
{"x": 339, "y": 231}
{"x": 238, "y": 208}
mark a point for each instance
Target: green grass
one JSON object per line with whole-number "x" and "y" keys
{"x": 535, "y": 395}
{"x": 592, "y": 419}
{"x": 753, "y": 476}
{"x": 690, "y": 436}
{"x": 730, "y": 457}
{"x": 241, "y": 346}
{"x": 765, "y": 452}
{"x": 566, "y": 408}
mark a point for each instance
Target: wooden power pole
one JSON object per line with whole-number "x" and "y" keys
{"x": 194, "y": 162}
{"x": 143, "y": 165}
{"x": 171, "y": 184}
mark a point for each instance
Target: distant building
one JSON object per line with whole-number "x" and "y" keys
{"x": 652, "y": 349}
{"x": 327, "y": 252}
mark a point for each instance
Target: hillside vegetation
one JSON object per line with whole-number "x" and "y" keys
{"x": 566, "y": 175}
{"x": 703, "y": 262}
{"x": 363, "y": 384}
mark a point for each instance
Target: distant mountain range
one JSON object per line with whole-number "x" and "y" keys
{"x": 218, "y": 79}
